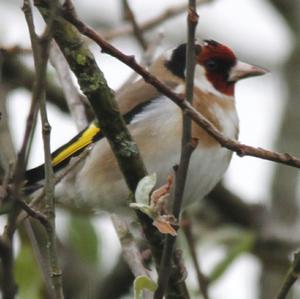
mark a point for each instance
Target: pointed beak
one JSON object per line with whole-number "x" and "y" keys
{"x": 242, "y": 70}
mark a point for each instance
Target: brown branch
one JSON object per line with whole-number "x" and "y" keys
{"x": 233, "y": 145}
{"x": 150, "y": 24}
{"x": 135, "y": 26}
{"x": 291, "y": 277}
{"x": 33, "y": 213}
{"x": 187, "y": 149}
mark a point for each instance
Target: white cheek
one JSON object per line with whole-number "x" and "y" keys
{"x": 201, "y": 81}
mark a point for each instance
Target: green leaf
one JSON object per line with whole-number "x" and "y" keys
{"x": 27, "y": 274}
{"x": 83, "y": 237}
{"x": 144, "y": 188}
{"x": 143, "y": 283}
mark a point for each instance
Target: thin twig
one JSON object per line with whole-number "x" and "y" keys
{"x": 135, "y": 26}
{"x": 33, "y": 213}
{"x": 233, "y": 145}
{"x": 41, "y": 262}
{"x": 202, "y": 280}
{"x": 291, "y": 277}
{"x": 40, "y": 46}
{"x": 187, "y": 148}
{"x": 31, "y": 120}
{"x": 9, "y": 287}
{"x": 150, "y": 24}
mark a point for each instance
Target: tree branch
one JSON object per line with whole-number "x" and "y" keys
{"x": 187, "y": 148}
{"x": 233, "y": 145}
{"x": 40, "y": 46}
{"x": 291, "y": 277}
{"x": 130, "y": 250}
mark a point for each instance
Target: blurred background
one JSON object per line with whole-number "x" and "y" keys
{"x": 248, "y": 228}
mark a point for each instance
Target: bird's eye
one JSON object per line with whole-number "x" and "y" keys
{"x": 211, "y": 65}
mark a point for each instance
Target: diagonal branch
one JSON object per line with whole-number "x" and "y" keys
{"x": 291, "y": 277}
{"x": 233, "y": 145}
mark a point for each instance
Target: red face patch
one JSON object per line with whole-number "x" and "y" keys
{"x": 217, "y": 60}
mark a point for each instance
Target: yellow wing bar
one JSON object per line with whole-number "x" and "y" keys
{"x": 83, "y": 140}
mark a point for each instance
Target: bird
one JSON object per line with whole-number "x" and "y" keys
{"x": 155, "y": 123}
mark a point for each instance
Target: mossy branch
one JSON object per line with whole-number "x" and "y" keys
{"x": 93, "y": 84}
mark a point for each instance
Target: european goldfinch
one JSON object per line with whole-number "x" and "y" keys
{"x": 155, "y": 123}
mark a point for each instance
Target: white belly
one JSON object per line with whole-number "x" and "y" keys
{"x": 207, "y": 167}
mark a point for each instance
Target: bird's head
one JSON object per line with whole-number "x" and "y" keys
{"x": 217, "y": 68}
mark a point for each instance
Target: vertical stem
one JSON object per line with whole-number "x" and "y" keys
{"x": 187, "y": 148}
{"x": 40, "y": 46}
